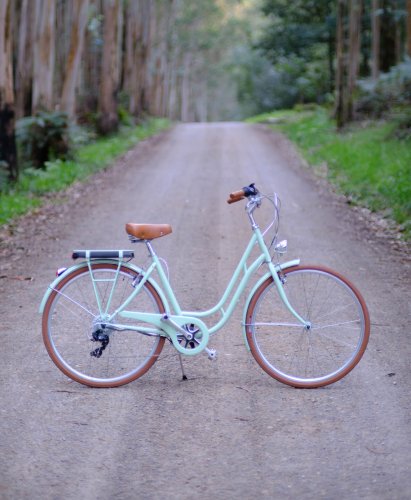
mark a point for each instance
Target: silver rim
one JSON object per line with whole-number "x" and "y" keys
{"x": 313, "y": 356}
{"x": 73, "y": 317}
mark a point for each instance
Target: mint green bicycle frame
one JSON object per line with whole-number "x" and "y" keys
{"x": 171, "y": 324}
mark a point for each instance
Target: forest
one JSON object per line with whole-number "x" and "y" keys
{"x": 76, "y": 70}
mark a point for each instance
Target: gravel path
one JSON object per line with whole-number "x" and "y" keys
{"x": 230, "y": 431}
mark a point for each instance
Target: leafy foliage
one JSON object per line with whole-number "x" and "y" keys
{"x": 299, "y": 43}
{"x": 370, "y": 168}
{"x": 403, "y": 125}
{"x": 43, "y": 137}
{"x": 296, "y": 26}
{"x": 388, "y": 95}
{"x": 59, "y": 174}
{"x": 299, "y": 40}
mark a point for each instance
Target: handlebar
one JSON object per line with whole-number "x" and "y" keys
{"x": 247, "y": 191}
{"x": 255, "y": 199}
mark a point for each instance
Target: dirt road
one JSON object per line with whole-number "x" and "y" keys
{"x": 230, "y": 431}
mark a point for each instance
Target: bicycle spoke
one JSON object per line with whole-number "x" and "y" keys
{"x": 336, "y": 310}
{"x": 87, "y": 347}
{"x": 291, "y": 325}
{"x": 78, "y": 304}
{"x": 317, "y": 354}
{"x": 334, "y": 325}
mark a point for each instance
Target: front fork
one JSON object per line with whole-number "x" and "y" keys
{"x": 274, "y": 271}
{"x": 279, "y": 283}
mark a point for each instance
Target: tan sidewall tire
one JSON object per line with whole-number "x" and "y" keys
{"x": 307, "y": 385}
{"x": 153, "y": 358}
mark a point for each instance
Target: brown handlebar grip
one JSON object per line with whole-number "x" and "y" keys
{"x": 236, "y": 196}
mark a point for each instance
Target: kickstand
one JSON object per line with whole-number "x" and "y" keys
{"x": 182, "y": 368}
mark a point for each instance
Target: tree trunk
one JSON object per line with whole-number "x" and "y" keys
{"x": 341, "y": 84}
{"x": 44, "y": 55}
{"x": 68, "y": 99}
{"x": 185, "y": 88}
{"x": 24, "y": 69}
{"x": 168, "y": 20}
{"x": 409, "y": 28}
{"x": 172, "y": 66}
{"x": 8, "y": 154}
{"x": 135, "y": 61}
{"x": 348, "y": 58}
{"x": 200, "y": 100}
{"x": 330, "y": 53}
{"x": 387, "y": 35}
{"x": 143, "y": 54}
{"x": 160, "y": 54}
{"x": 354, "y": 46}
{"x": 130, "y": 56}
{"x": 149, "y": 82}
{"x": 108, "y": 120}
{"x": 119, "y": 41}
{"x": 90, "y": 69}
{"x": 376, "y": 38}
{"x": 399, "y": 51}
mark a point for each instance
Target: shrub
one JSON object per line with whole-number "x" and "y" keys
{"x": 377, "y": 99}
{"x": 402, "y": 122}
{"x": 43, "y": 137}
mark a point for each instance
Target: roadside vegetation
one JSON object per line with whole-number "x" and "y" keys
{"x": 206, "y": 61}
{"x": 84, "y": 159}
{"x": 369, "y": 162}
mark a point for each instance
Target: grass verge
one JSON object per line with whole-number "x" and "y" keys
{"x": 365, "y": 163}
{"x": 34, "y": 184}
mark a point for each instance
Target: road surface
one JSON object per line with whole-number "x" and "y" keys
{"x": 229, "y": 431}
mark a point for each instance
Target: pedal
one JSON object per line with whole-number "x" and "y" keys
{"x": 211, "y": 353}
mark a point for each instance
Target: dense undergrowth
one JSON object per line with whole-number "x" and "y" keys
{"x": 367, "y": 162}
{"x": 35, "y": 183}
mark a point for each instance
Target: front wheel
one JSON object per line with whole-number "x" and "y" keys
{"x": 321, "y": 353}
{"x": 79, "y": 339}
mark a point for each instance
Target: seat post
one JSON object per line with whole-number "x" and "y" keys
{"x": 150, "y": 248}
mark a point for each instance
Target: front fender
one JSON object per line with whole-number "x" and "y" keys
{"x": 278, "y": 267}
{"x": 82, "y": 264}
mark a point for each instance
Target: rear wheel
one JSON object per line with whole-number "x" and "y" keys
{"x": 89, "y": 349}
{"x": 328, "y": 348}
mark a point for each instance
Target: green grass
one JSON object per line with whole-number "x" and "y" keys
{"x": 34, "y": 184}
{"x": 364, "y": 162}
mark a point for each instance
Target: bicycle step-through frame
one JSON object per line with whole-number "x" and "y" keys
{"x": 168, "y": 324}
{"x": 187, "y": 327}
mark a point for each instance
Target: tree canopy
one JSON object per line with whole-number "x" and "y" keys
{"x": 104, "y": 61}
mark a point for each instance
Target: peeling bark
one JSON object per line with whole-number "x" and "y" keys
{"x": 44, "y": 55}
{"x": 108, "y": 120}
{"x": 68, "y": 99}
{"x": 24, "y": 69}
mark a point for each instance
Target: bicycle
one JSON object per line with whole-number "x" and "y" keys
{"x": 105, "y": 320}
